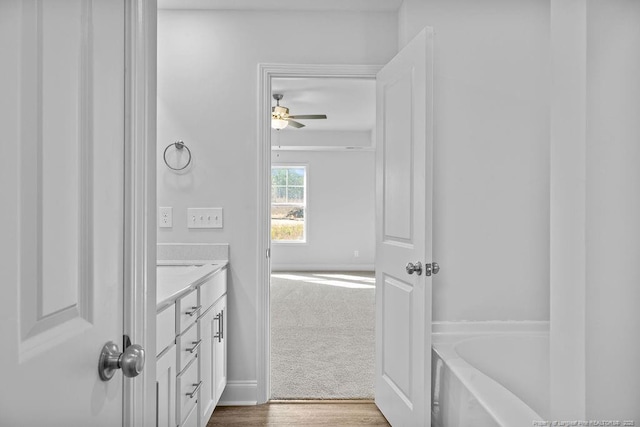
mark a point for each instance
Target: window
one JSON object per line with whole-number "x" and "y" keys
{"x": 288, "y": 203}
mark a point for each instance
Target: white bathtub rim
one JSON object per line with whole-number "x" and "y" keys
{"x": 503, "y": 406}
{"x": 492, "y": 395}
{"x": 489, "y": 327}
{"x": 445, "y": 344}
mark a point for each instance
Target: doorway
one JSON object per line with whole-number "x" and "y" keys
{"x": 306, "y": 263}
{"x": 404, "y": 134}
{"x": 323, "y": 240}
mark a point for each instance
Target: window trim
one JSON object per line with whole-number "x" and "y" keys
{"x": 305, "y": 236}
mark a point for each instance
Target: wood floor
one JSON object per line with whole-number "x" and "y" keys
{"x": 301, "y": 413}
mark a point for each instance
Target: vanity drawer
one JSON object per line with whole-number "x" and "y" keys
{"x": 188, "y": 311}
{"x": 187, "y": 386}
{"x": 213, "y": 289}
{"x": 165, "y": 328}
{"x": 187, "y": 345}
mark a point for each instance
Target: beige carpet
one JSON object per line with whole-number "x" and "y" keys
{"x": 322, "y": 335}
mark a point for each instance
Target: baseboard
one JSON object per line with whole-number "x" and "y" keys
{"x": 240, "y": 393}
{"x": 322, "y": 267}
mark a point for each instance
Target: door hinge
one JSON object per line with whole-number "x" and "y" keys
{"x": 268, "y": 252}
{"x": 126, "y": 342}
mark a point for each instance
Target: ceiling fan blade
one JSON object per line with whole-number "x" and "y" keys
{"x": 309, "y": 116}
{"x": 294, "y": 124}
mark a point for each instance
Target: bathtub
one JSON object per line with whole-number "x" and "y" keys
{"x": 490, "y": 378}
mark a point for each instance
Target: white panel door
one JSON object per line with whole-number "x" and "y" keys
{"x": 403, "y": 234}
{"x": 62, "y": 215}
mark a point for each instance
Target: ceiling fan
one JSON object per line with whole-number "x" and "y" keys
{"x": 280, "y": 117}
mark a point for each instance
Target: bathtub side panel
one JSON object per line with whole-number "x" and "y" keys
{"x": 453, "y": 405}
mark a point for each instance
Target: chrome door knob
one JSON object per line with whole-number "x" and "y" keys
{"x": 432, "y": 268}
{"x": 435, "y": 268}
{"x": 131, "y": 361}
{"x": 417, "y": 268}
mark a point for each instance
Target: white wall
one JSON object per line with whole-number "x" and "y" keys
{"x": 613, "y": 210}
{"x": 491, "y": 191}
{"x": 595, "y": 208}
{"x": 568, "y": 219}
{"x": 207, "y": 96}
{"x": 340, "y": 212}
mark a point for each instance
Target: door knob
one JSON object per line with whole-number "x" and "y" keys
{"x": 417, "y": 268}
{"x": 131, "y": 361}
{"x": 432, "y": 268}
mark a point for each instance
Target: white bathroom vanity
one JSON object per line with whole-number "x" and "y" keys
{"x": 191, "y": 345}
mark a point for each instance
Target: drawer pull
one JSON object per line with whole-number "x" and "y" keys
{"x": 195, "y": 390}
{"x": 196, "y": 344}
{"x": 193, "y": 311}
{"x": 221, "y": 325}
{"x": 220, "y": 318}
{"x": 218, "y": 333}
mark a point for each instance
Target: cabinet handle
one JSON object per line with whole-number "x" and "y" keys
{"x": 193, "y": 311}
{"x": 222, "y": 324}
{"x": 217, "y": 334}
{"x": 195, "y": 390}
{"x": 195, "y": 347}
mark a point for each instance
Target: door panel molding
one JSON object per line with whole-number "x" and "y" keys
{"x": 397, "y": 182}
{"x": 55, "y": 208}
{"x": 397, "y": 294}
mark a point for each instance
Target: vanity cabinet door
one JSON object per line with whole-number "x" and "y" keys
{"x": 220, "y": 348}
{"x": 208, "y": 324}
{"x": 165, "y": 329}
{"x": 166, "y": 388}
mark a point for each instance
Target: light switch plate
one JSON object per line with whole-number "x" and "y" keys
{"x": 204, "y": 217}
{"x": 165, "y": 217}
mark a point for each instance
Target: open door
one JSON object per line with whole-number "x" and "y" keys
{"x": 403, "y": 234}
{"x": 62, "y": 186}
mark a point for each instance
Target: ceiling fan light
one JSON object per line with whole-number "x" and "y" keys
{"x": 278, "y": 110}
{"x": 279, "y": 124}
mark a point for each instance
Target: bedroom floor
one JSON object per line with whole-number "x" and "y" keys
{"x": 322, "y": 335}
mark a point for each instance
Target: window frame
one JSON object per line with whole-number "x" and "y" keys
{"x": 305, "y": 205}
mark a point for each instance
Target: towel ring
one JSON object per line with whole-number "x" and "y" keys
{"x": 179, "y": 146}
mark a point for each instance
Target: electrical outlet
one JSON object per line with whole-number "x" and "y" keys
{"x": 204, "y": 217}
{"x": 356, "y": 254}
{"x": 165, "y": 217}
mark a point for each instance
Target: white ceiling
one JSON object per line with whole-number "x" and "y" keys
{"x": 353, "y": 5}
{"x": 350, "y": 104}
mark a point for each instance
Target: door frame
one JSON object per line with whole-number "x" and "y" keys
{"x": 266, "y": 72}
{"x": 139, "y": 262}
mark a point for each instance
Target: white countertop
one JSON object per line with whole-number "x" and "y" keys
{"x": 176, "y": 278}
